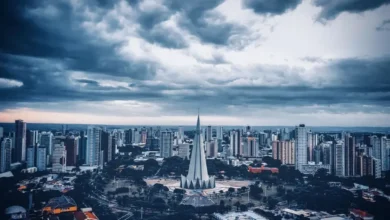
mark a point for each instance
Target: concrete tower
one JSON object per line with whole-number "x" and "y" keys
{"x": 197, "y": 177}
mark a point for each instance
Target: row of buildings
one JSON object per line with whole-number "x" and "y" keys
{"x": 342, "y": 156}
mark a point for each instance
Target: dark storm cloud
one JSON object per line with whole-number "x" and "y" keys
{"x": 332, "y": 8}
{"x": 62, "y": 37}
{"x": 385, "y": 26}
{"x": 271, "y": 7}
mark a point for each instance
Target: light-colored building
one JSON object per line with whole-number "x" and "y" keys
{"x": 198, "y": 177}
{"x": 375, "y": 142}
{"x": 20, "y": 141}
{"x": 311, "y": 168}
{"x": 219, "y": 133}
{"x": 250, "y": 147}
{"x": 284, "y": 151}
{"x": 248, "y": 215}
{"x": 41, "y": 158}
{"x": 166, "y": 144}
{"x": 339, "y": 159}
{"x": 184, "y": 151}
{"x": 385, "y": 144}
{"x": 300, "y": 146}
{"x": 310, "y": 146}
{"x": 212, "y": 148}
{"x": 235, "y": 143}
{"x": 93, "y": 146}
{"x": 59, "y": 158}
{"x": 5, "y": 156}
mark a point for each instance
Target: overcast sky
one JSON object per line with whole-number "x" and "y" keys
{"x": 256, "y": 62}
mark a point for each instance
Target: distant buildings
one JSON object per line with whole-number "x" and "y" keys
{"x": 209, "y": 133}
{"x": 250, "y": 147}
{"x": 212, "y": 148}
{"x": 5, "y": 154}
{"x": 284, "y": 151}
{"x": 184, "y": 151}
{"x": 300, "y": 146}
{"x": 339, "y": 168}
{"x": 71, "y": 151}
{"x": 166, "y": 144}
{"x": 349, "y": 155}
{"x": 59, "y": 158}
{"x": 235, "y": 143}
{"x": 47, "y": 141}
{"x": 219, "y": 133}
{"x": 41, "y": 160}
{"x": 31, "y": 156}
{"x": 93, "y": 146}
{"x": 106, "y": 146}
{"x": 82, "y": 150}
{"x": 368, "y": 166}
{"x": 20, "y": 141}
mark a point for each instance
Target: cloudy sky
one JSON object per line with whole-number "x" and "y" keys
{"x": 256, "y": 62}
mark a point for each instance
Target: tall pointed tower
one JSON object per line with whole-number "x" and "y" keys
{"x": 197, "y": 177}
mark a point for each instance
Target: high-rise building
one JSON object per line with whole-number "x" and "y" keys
{"x": 184, "y": 151}
{"x": 20, "y": 140}
{"x": 368, "y": 166}
{"x": 209, "y": 133}
{"x": 5, "y": 154}
{"x": 32, "y": 138}
{"x": 166, "y": 144}
{"x": 47, "y": 141}
{"x": 235, "y": 143}
{"x": 284, "y": 151}
{"x": 41, "y": 158}
{"x": 143, "y": 137}
{"x": 106, "y": 146}
{"x": 71, "y": 151}
{"x": 212, "y": 148}
{"x": 310, "y": 146}
{"x": 93, "y": 146}
{"x": 197, "y": 177}
{"x": 59, "y": 158}
{"x": 376, "y": 146}
{"x": 300, "y": 146}
{"x": 349, "y": 155}
{"x": 317, "y": 155}
{"x": 181, "y": 134}
{"x": 327, "y": 157}
{"x": 64, "y": 129}
{"x": 1, "y": 132}
{"x": 82, "y": 151}
{"x": 250, "y": 147}
{"x": 128, "y": 136}
{"x": 219, "y": 133}
{"x": 384, "y": 155}
{"x": 31, "y": 156}
{"x": 339, "y": 157}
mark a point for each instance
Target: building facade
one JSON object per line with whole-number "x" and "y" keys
{"x": 93, "y": 146}
{"x": 166, "y": 144}
{"x": 284, "y": 151}
{"x": 300, "y": 146}
{"x": 59, "y": 158}
{"x": 5, "y": 156}
{"x": 41, "y": 158}
{"x": 20, "y": 141}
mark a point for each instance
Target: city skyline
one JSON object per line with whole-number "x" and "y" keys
{"x": 321, "y": 63}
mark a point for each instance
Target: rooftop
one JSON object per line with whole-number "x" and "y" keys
{"x": 61, "y": 202}
{"x": 249, "y": 215}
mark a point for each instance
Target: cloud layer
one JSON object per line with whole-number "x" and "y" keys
{"x": 169, "y": 57}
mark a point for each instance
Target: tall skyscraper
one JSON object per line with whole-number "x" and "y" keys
{"x": 317, "y": 154}
{"x": 197, "y": 177}
{"x": 20, "y": 140}
{"x": 235, "y": 143}
{"x": 300, "y": 146}
{"x": 212, "y": 148}
{"x": 82, "y": 154}
{"x": 106, "y": 146}
{"x": 5, "y": 154}
{"x": 310, "y": 146}
{"x": 219, "y": 133}
{"x": 47, "y": 141}
{"x": 376, "y": 146}
{"x": 250, "y": 147}
{"x": 59, "y": 158}
{"x": 166, "y": 144}
{"x": 181, "y": 134}
{"x": 339, "y": 157}
{"x": 143, "y": 137}
{"x": 128, "y": 136}
{"x": 349, "y": 155}
{"x": 71, "y": 151}
{"x": 368, "y": 166}
{"x": 31, "y": 156}
{"x": 93, "y": 146}
{"x": 64, "y": 129}
{"x": 41, "y": 158}
{"x": 209, "y": 133}
{"x": 284, "y": 151}
{"x": 384, "y": 155}
{"x": 1, "y": 132}
{"x": 32, "y": 138}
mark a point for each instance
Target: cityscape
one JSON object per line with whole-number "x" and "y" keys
{"x": 190, "y": 110}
